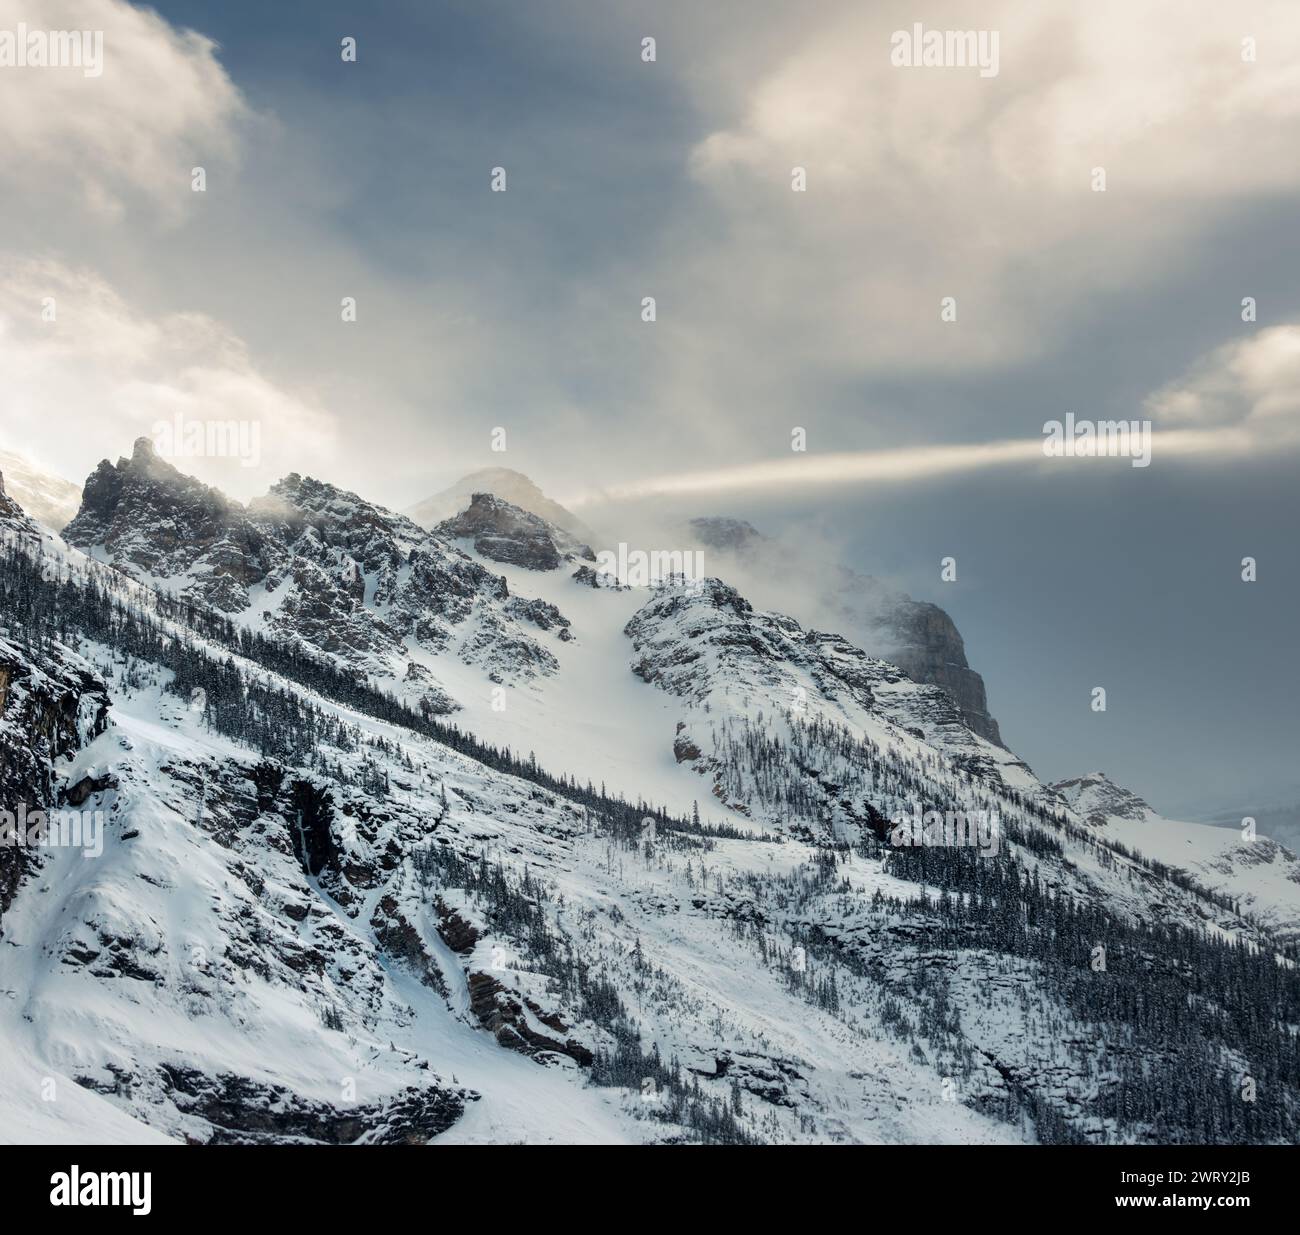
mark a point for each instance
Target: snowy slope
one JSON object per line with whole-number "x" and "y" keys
{"x": 1262, "y": 876}
{"x": 307, "y": 923}
{"x": 197, "y": 948}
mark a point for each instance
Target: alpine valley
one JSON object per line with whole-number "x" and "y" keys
{"x": 427, "y": 827}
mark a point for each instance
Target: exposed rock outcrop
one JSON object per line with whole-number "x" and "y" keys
{"x": 506, "y": 533}
{"x": 502, "y": 1013}
{"x": 240, "y": 1111}
{"x": 929, "y": 648}
{"x": 508, "y": 485}
{"x": 51, "y": 705}
{"x": 917, "y": 636}
{"x": 1097, "y": 798}
{"x": 315, "y": 565}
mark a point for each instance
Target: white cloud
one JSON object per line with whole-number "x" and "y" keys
{"x": 1241, "y": 400}
{"x": 161, "y": 105}
{"x": 921, "y": 463}
{"x": 1252, "y": 382}
{"x": 933, "y": 182}
{"x": 84, "y": 386}
{"x": 799, "y": 471}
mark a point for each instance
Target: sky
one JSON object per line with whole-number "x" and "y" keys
{"x": 776, "y": 311}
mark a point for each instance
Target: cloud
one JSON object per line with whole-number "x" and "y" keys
{"x": 83, "y": 386}
{"x": 1252, "y": 382}
{"x": 811, "y": 472}
{"x": 807, "y": 470}
{"x": 130, "y": 135}
{"x": 933, "y": 182}
{"x": 776, "y": 308}
{"x": 1241, "y": 400}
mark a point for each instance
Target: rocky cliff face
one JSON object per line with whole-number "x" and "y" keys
{"x": 505, "y": 533}
{"x": 316, "y": 565}
{"x": 917, "y": 636}
{"x": 1097, "y": 799}
{"x": 508, "y": 485}
{"x": 929, "y": 648}
{"x": 51, "y": 705}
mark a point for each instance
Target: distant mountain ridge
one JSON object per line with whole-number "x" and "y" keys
{"x": 1258, "y": 872}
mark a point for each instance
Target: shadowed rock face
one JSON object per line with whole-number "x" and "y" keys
{"x": 506, "y": 533}
{"x": 51, "y": 704}
{"x": 241, "y": 1111}
{"x": 931, "y": 650}
{"x": 919, "y": 637}
{"x": 314, "y": 564}
{"x": 154, "y": 520}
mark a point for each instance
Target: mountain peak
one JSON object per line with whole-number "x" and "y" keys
{"x": 917, "y": 636}
{"x": 1097, "y": 798}
{"x": 508, "y": 533}
{"x": 150, "y": 517}
{"x": 730, "y": 535}
{"x": 505, "y": 483}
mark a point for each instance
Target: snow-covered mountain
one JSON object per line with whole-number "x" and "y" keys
{"x": 509, "y": 486}
{"x": 319, "y": 567}
{"x": 1255, "y": 872}
{"x": 505, "y": 533}
{"x": 650, "y": 885}
{"x": 917, "y": 636}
